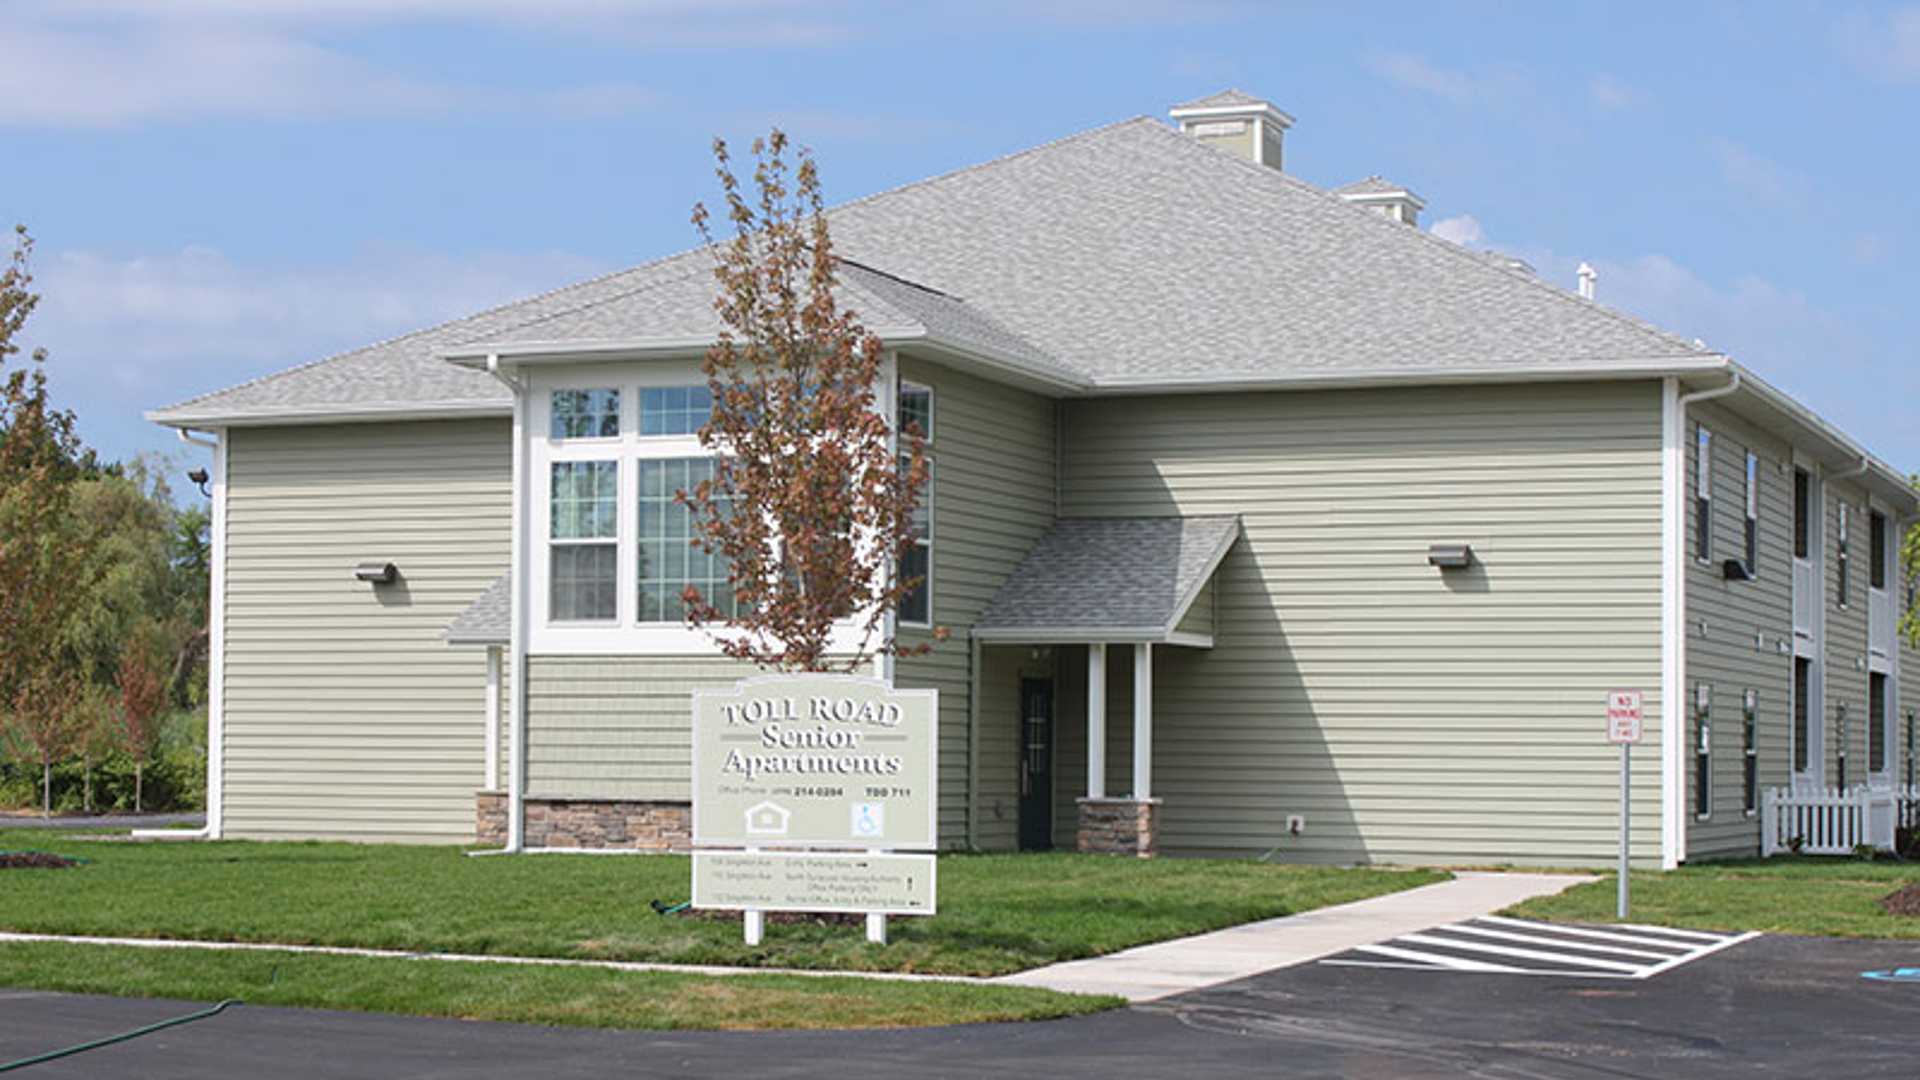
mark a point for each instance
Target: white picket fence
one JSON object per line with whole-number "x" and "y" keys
{"x": 1830, "y": 821}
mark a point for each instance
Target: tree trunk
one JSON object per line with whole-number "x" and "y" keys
{"x": 86, "y": 785}
{"x": 46, "y": 788}
{"x": 136, "y": 786}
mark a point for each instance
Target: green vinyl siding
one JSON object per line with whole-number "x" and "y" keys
{"x": 1846, "y": 632}
{"x": 347, "y": 715}
{"x": 1739, "y": 633}
{"x": 994, "y": 487}
{"x": 1407, "y": 714}
{"x": 616, "y": 727}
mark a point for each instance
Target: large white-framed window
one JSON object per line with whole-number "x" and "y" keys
{"x": 610, "y": 447}
{"x": 914, "y": 411}
{"x": 631, "y": 428}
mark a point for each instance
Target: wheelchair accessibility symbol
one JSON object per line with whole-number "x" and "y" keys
{"x": 869, "y": 820}
{"x": 1902, "y": 974}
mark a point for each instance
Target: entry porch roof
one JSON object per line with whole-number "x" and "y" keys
{"x": 1121, "y": 579}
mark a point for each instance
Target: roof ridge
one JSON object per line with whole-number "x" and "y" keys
{"x": 1453, "y": 249}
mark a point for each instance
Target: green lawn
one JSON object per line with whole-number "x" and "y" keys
{"x": 998, "y": 913}
{"x": 557, "y": 996}
{"x": 1833, "y": 897}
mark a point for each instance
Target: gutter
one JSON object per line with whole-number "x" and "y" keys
{"x": 216, "y": 648}
{"x": 1673, "y": 610}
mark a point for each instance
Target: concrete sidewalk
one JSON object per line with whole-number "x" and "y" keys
{"x": 1172, "y": 967}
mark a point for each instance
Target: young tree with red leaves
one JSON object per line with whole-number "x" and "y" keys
{"x": 812, "y": 494}
{"x": 142, "y": 695}
{"x": 46, "y": 563}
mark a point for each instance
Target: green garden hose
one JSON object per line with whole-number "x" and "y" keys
{"x": 122, "y": 1037}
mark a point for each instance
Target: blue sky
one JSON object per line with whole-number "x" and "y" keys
{"x": 224, "y": 188}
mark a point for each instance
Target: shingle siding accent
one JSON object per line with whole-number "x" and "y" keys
{"x": 347, "y": 715}
{"x": 1409, "y": 715}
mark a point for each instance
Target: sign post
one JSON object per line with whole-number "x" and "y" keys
{"x": 815, "y": 786}
{"x": 1624, "y": 728}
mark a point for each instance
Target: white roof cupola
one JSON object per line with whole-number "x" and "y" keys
{"x": 1396, "y": 201}
{"x": 1236, "y": 122}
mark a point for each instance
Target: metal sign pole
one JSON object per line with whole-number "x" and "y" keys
{"x": 1626, "y": 811}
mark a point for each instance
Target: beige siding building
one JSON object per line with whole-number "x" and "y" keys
{"x": 1261, "y": 523}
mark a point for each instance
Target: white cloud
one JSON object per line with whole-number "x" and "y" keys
{"x": 84, "y": 77}
{"x": 1609, "y": 92}
{"x": 1759, "y": 178}
{"x": 128, "y": 334}
{"x": 1462, "y": 229}
{"x": 1887, "y": 47}
{"x": 1825, "y": 359}
{"x": 1415, "y": 73}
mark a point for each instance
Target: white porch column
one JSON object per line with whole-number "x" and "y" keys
{"x": 493, "y": 718}
{"x": 1096, "y": 721}
{"x": 1143, "y": 721}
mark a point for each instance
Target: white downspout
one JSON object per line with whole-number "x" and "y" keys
{"x": 216, "y": 645}
{"x": 1673, "y": 610}
{"x": 517, "y": 609}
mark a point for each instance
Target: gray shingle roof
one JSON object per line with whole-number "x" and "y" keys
{"x": 1129, "y": 255}
{"x": 1223, "y": 98}
{"x": 1372, "y": 185}
{"x": 487, "y": 621}
{"x": 1132, "y": 578}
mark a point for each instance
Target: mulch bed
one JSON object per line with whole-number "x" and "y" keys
{"x": 1903, "y": 901}
{"x": 29, "y": 860}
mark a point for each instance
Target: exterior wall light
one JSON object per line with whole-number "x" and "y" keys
{"x": 377, "y": 573}
{"x": 1450, "y": 556}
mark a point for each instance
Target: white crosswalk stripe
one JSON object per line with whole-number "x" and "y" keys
{"x": 1503, "y": 946}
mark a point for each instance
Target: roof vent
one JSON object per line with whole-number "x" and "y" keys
{"x": 1396, "y": 201}
{"x": 1236, "y": 122}
{"x": 1587, "y": 275}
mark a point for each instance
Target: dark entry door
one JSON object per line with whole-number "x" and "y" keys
{"x": 1036, "y": 764}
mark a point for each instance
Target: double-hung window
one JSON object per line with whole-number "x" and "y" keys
{"x": 1750, "y": 750}
{"x": 1877, "y": 723}
{"x": 620, "y": 551}
{"x": 915, "y": 414}
{"x": 583, "y": 507}
{"x": 1753, "y": 514}
{"x": 1703, "y": 750}
{"x": 1877, "y": 549}
{"x": 1703, "y": 493}
{"x": 1841, "y": 554}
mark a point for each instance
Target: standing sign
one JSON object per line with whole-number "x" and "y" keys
{"x": 811, "y": 761}
{"x": 1625, "y": 726}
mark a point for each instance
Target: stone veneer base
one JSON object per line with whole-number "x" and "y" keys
{"x": 589, "y": 823}
{"x": 1119, "y": 827}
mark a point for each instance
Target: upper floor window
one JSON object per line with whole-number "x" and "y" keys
{"x": 1802, "y": 513}
{"x": 586, "y": 414}
{"x": 1753, "y": 514}
{"x": 916, "y": 413}
{"x": 1841, "y": 554}
{"x": 674, "y": 410}
{"x": 1703, "y": 492}
{"x": 1877, "y": 549}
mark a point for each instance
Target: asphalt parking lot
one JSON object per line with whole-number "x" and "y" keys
{"x": 1770, "y": 1006}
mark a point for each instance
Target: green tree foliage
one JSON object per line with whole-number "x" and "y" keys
{"x": 1910, "y": 577}
{"x": 96, "y": 563}
{"x": 811, "y": 502}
